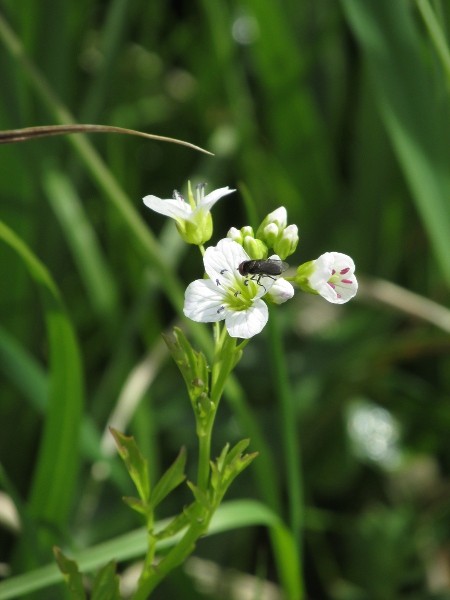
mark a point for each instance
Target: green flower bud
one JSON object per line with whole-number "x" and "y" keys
{"x": 247, "y": 230}
{"x": 270, "y": 234}
{"x": 235, "y": 235}
{"x": 278, "y": 216}
{"x": 256, "y": 249}
{"x": 286, "y": 244}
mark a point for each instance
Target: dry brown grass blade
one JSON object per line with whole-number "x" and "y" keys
{"x": 31, "y": 133}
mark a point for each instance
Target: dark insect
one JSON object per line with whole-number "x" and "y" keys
{"x": 262, "y": 268}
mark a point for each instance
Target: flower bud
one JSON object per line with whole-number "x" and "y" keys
{"x": 256, "y": 249}
{"x": 278, "y": 216}
{"x": 247, "y": 230}
{"x": 280, "y": 292}
{"x": 235, "y": 235}
{"x": 270, "y": 234}
{"x": 286, "y": 244}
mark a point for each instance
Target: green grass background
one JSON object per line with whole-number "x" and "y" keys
{"x": 338, "y": 110}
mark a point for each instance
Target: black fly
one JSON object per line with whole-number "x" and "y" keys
{"x": 262, "y": 268}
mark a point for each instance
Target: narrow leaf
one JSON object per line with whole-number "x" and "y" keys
{"x": 170, "y": 480}
{"x": 32, "y": 133}
{"x": 72, "y": 576}
{"x": 106, "y": 583}
{"x": 55, "y": 473}
{"x": 135, "y": 463}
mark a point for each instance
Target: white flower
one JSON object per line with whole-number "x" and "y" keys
{"x": 281, "y": 291}
{"x": 193, "y": 218}
{"x": 179, "y": 209}
{"x": 333, "y": 277}
{"x": 227, "y": 295}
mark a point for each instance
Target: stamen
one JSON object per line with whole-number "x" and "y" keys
{"x": 331, "y": 285}
{"x": 346, "y": 281}
{"x": 223, "y": 271}
{"x": 344, "y": 271}
{"x": 200, "y": 186}
{"x": 217, "y": 282}
{"x": 333, "y": 272}
{"x": 339, "y": 296}
{"x": 221, "y": 309}
{"x": 236, "y": 294}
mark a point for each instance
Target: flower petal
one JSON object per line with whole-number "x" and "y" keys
{"x": 209, "y": 200}
{"x": 223, "y": 260}
{"x": 177, "y": 209}
{"x": 247, "y": 323}
{"x": 203, "y": 301}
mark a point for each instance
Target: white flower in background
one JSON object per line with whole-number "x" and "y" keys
{"x": 332, "y": 276}
{"x": 227, "y": 295}
{"x": 193, "y": 218}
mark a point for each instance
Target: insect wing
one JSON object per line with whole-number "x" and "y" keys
{"x": 274, "y": 267}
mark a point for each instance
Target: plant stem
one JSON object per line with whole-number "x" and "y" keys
{"x": 289, "y": 437}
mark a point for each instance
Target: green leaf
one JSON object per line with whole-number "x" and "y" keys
{"x": 200, "y": 495}
{"x": 393, "y": 48}
{"x": 106, "y": 584}
{"x": 229, "y": 515}
{"x": 55, "y": 473}
{"x": 82, "y": 240}
{"x": 136, "y": 505}
{"x": 135, "y": 463}
{"x": 170, "y": 480}
{"x": 72, "y": 576}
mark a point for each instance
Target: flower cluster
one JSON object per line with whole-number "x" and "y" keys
{"x": 241, "y": 277}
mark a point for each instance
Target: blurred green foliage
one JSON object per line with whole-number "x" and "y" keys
{"x": 340, "y": 112}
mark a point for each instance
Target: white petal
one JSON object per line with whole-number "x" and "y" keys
{"x": 177, "y": 209}
{"x": 211, "y": 199}
{"x": 342, "y": 261}
{"x": 226, "y": 256}
{"x": 323, "y": 267}
{"x": 281, "y": 291}
{"x": 346, "y": 292}
{"x": 247, "y": 323}
{"x": 202, "y": 301}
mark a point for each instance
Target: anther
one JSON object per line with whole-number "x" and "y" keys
{"x": 220, "y": 309}
{"x": 217, "y": 282}
{"x": 200, "y": 186}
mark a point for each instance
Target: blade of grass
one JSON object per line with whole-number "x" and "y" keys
{"x": 436, "y": 34}
{"x": 390, "y": 41}
{"x": 289, "y": 428}
{"x": 57, "y": 463}
{"x": 82, "y": 240}
{"x": 230, "y": 515}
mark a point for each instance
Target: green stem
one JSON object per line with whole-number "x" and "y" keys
{"x": 289, "y": 428}
{"x": 175, "y": 558}
{"x": 224, "y": 353}
{"x": 205, "y": 454}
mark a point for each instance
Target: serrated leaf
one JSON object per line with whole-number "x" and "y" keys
{"x": 170, "y": 480}
{"x": 106, "y": 583}
{"x": 72, "y": 576}
{"x": 135, "y": 463}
